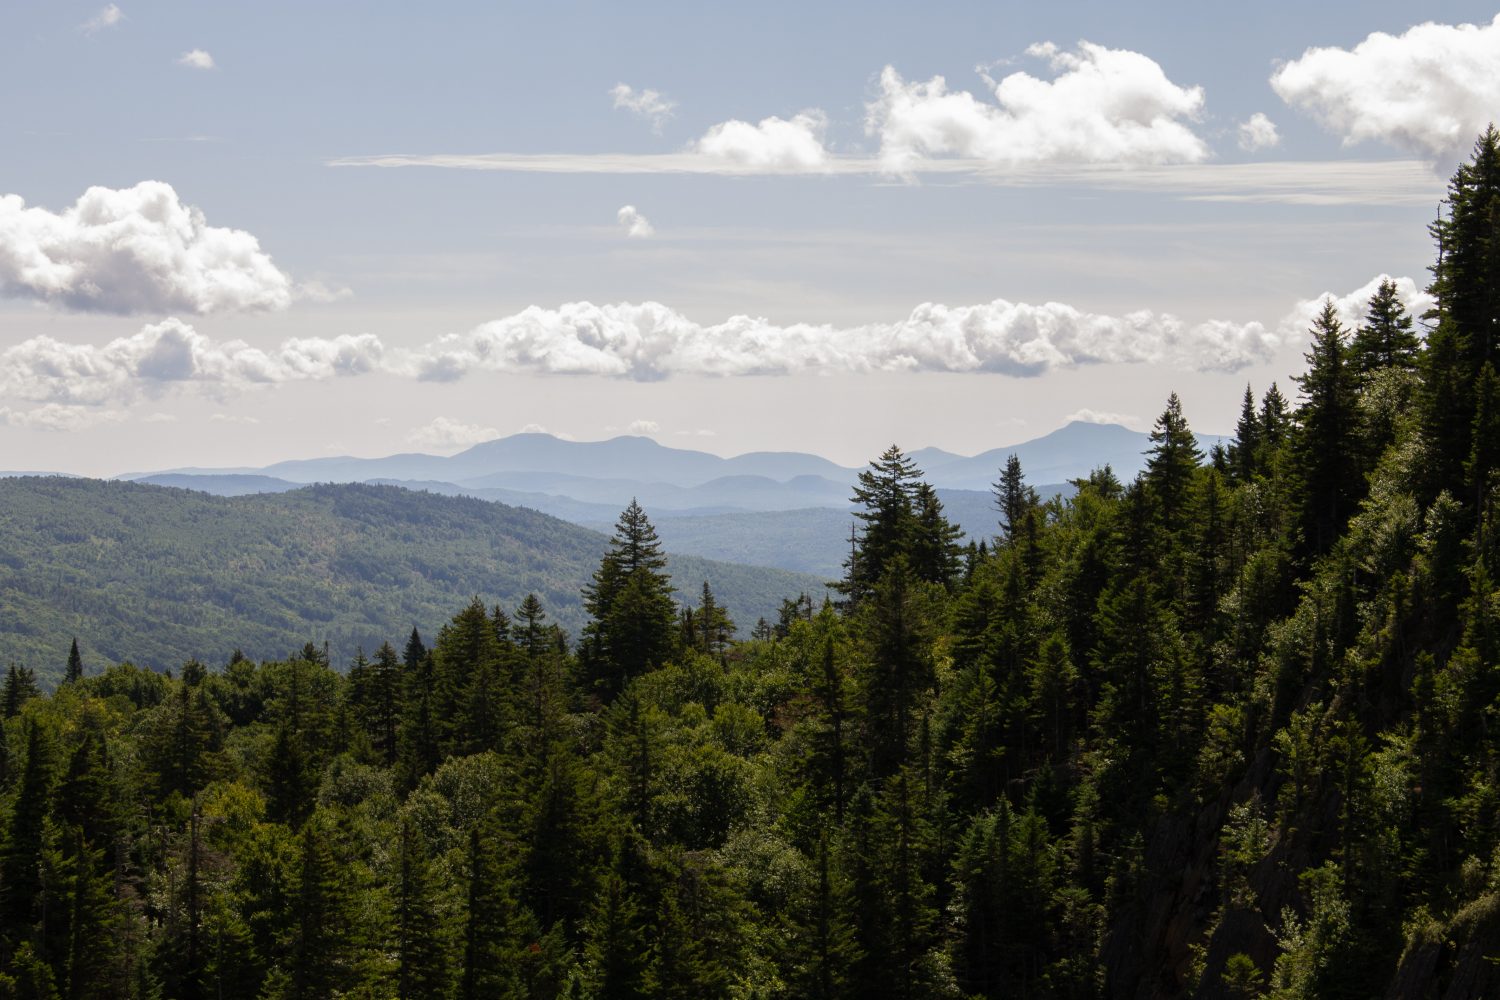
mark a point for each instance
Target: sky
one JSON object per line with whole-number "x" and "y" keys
{"x": 232, "y": 234}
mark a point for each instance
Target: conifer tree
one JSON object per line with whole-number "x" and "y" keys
{"x": 421, "y": 953}
{"x": 1247, "y": 440}
{"x": 492, "y": 949}
{"x": 20, "y": 687}
{"x": 1013, "y": 498}
{"x": 418, "y": 740}
{"x": 630, "y": 606}
{"x": 532, "y": 633}
{"x": 415, "y": 651}
{"x": 885, "y": 493}
{"x": 21, "y": 852}
{"x": 1386, "y": 340}
{"x": 933, "y": 548}
{"x": 1328, "y": 458}
{"x": 1170, "y": 463}
{"x": 322, "y": 963}
{"x": 74, "y": 671}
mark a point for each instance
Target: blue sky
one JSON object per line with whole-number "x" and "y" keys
{"x": 1088, "y": 236}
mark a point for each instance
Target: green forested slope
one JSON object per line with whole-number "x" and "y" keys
{"x": 156, "y": 575}
{"x": 1228, "y": 730}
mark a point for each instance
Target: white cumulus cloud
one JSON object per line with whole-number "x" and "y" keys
{"x": 172, "y": 354}
{"x": 445, "y": 434}
{"x": 108, "y": 17}
{"x": 73, "y": 385}
{"x": 1258, "y": 132}
{"x": 650, "y": 341}
{"x": 196, "y": 59}
{"x": 636, "y": 225}
{"x": 1430, "y": 90}
{"x": 132, "y": 250}
{"x": 1351, "y": 306}
{"x": 774, "y": 145}
{"x": 1102, "y": 106}
{"x": 649, "y": 104}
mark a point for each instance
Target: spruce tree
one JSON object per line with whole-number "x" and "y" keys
{"x": 885, "y": 493}
{"x": 74, "y": 671}
{"x": 1013, "y": 498}
{"x": 1328, "y": 457}
{"x": 421, "y": 953}
{"x": 1386, "y": 339}
{"x": 1247, "y": 440}
{"x": 1170, "y": 463}
{"x": 22, "y": 849}
{"x": 492, "y": 948}
{"x": 630, "y": 606}
{"x": 933, "y": 547}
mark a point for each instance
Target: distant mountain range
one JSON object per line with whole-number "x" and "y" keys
{"x": 762, "y": 508}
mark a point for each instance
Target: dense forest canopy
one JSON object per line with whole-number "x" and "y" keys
{"x": 157, "y": 576}
{"x": 1224, "y": 730}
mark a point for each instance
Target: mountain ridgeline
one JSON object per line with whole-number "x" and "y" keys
{"x": 159, "y": 576}
{"x": 1223, "y": 729}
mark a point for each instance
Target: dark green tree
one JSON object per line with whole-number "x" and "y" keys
{"x": 1386, "y": 340}
{"x": 1170, "y": 463}
{"x": 630, "y": 607}
{"x": 74, "y": 671}
{"x": 1328, "y": 453}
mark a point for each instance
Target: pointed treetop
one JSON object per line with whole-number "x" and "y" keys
{"x": 74, "y": 672}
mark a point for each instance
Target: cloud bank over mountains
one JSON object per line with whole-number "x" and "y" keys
{"x": 649, "y": 342}
{"x": 134, "y": 250}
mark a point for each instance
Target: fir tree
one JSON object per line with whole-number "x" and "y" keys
{"x": 630, "y": 607}
{"x": 1386, "y": 340}
{"x": 1013, "y": 498}
{"x": 1170, "y": 463}
{"x": 933, "y": 546}
{"x": 74, "y": 671}
{"x": 1247, "y": 440}
{"x": 885, "y": 494}
{"x": 421, "y": 953}
{"x": 22, "y": 849}
{"x": 1327, "y": 446}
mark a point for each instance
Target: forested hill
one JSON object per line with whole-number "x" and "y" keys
{"x": 156, "y": 575}
{"x": 1226, "y": 730}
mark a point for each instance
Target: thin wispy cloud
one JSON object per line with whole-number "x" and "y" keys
{"x": 1429, "y": 90}
{"x": 133, "y": 250}
{"x": 636, "y": 225}
{"x": 196, "y": 59}
{"x": 1089, "y": 416}
{"x": 108, "y": 17}
{"x": 447, "y": 434}
{"x": 649, "y": 104}
{"x": 57, "y": 418}
{"x": 1326, "y": 182}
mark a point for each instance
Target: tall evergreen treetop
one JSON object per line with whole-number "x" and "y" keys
{"x": 1170, "y": 462}
{"x": 1328, "y": 443}
{"x": 1386, "y": 340}
{"x": 1013, "y": 498}
{"x": 885, "y": 492}
{"x": 74, "y": 672}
